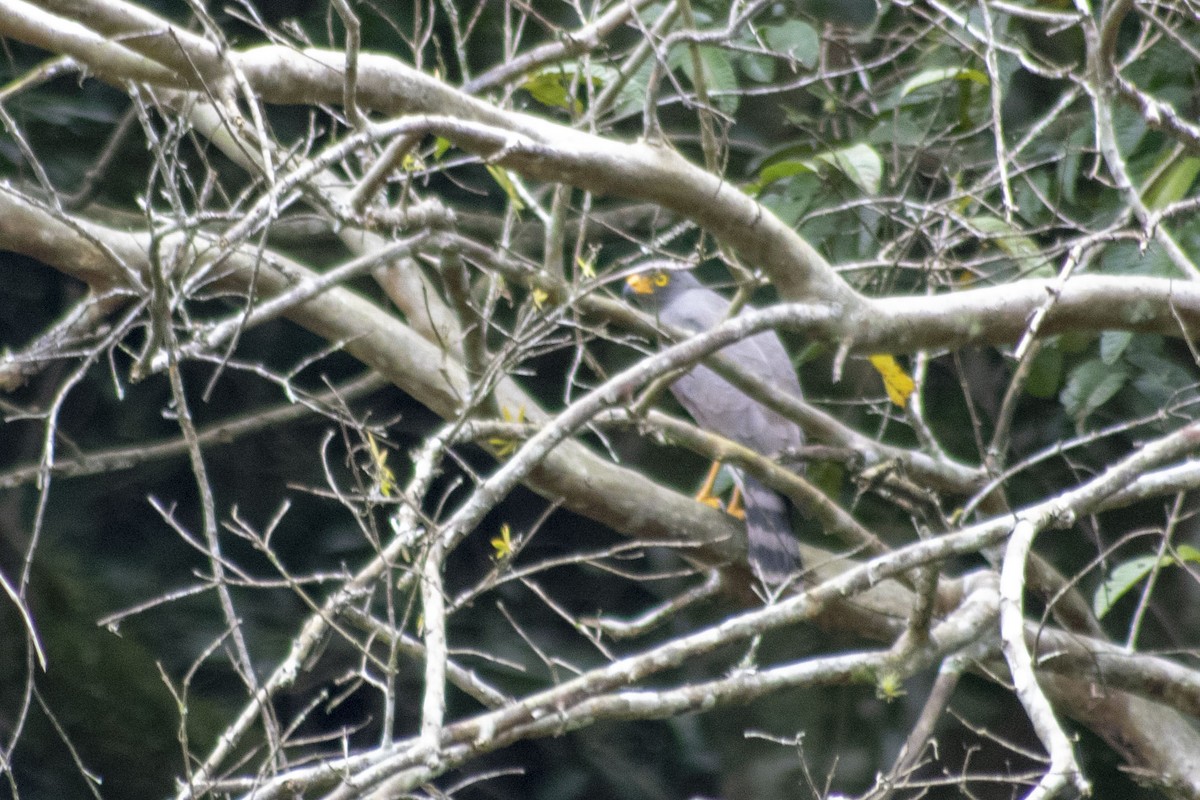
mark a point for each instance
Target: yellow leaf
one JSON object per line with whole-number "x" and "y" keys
{"x": 501, "y": 177}
{"x": 412, "y": 163}
{"x": 540, "y": 296}
{"x": 503, "y": 544}
{"x": 384, "y": 477}
{"x": 889, "y": 687}
{"x": 502, "y": 446}
{"x": 587, "y": 266}
{"x": 897, "y": 382}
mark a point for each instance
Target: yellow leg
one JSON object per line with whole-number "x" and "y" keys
{"x": 705, "y": 494}
{"x": 735, "y": 505}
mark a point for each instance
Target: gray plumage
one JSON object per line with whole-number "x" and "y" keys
{"x": 719, "y": 406}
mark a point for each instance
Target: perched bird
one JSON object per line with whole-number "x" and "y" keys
{"x": 678, "y": 298}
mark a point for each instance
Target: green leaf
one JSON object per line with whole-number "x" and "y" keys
{"x": 500, "y": 176}
{"x": 758, "y": 68}
{"x": 795, "y": 39}
{"x": 1075, "y": 342}
{"x": 1012, "y": 241}
{"x": 1123, "y": 578}
{"x": 1113, "y": 344}
{"x": 1173, "y": 184}
{"x": 720, "y": 79}
{"x": 778, "y": 171}
{"x": 549, "y": 87}
{"x": 828, "y": 476}
{"x": 794, "y": 200}
{"x": 1187, "y": 553}
{"x": 1160, "y": 380}
{"x": 933, "y": 76}
{"x": 1128, "y": 258}
{"x": 631, "y": 99}
{"x": 860, "y": 163}
{"x": 1067, "y": 170}
{"x": 1046, "y": 372}
{"x": 1091, "y": 385}
{"x": 1130, "y": 127}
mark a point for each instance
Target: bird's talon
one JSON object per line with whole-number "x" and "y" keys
{"x": 736, "y": 509}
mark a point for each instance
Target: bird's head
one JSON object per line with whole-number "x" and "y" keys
{"x": 655, "y": 288}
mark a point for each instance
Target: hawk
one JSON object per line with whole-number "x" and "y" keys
{"x": 679, "y": 299}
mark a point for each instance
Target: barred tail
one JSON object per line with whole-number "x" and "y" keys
{"x": 774, "y": 554}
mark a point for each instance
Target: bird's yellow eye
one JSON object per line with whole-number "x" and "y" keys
{"x": 662, "y": 279}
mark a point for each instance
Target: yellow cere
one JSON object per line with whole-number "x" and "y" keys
{"x": 647, "y": 284}
{"x": 640, "y": 284}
